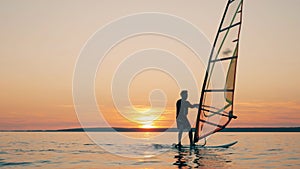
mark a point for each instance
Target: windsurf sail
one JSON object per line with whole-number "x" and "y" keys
{"x": 217, "y": 96}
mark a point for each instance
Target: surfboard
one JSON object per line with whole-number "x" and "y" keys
{"x": 201, "y": 146}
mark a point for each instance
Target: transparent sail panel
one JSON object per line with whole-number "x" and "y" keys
{"x": 218, "y": 75}
{"x": 232, "y": 16}
{"x": 226, "y": 43}
{"x": 216, "y": 102}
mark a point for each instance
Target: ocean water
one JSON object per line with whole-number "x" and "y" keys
{"x": 77, "y": 150}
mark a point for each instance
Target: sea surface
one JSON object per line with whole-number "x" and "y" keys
{"x": 143, "y": 150}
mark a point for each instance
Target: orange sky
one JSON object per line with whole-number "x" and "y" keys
{"x": 41, "y": 40}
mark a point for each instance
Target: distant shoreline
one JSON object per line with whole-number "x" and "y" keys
{"x": 259, "y": 129}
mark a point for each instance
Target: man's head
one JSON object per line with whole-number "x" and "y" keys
{"x": 184, "y": 94}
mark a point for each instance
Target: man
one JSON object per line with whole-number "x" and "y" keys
{"x": 183, "y": 123}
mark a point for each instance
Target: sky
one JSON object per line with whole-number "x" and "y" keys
{"x": 41, "y": 41}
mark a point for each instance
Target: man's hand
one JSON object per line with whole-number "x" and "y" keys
{"x": 195, "y": 105}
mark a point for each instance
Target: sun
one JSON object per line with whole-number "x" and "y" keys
{"x": 147, "y": 126}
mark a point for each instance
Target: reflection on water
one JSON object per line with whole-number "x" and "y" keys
{"x": 76, "y": 150}
{"x": 181, "y": 159}
{"x": 200, "y": 157}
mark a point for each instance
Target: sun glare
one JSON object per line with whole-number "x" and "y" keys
{"x": 147, "y": 126}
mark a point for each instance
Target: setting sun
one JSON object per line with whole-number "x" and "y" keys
{"x": 147, "y": 126}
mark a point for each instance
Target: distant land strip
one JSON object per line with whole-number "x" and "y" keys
{"x": 99, "y": 129}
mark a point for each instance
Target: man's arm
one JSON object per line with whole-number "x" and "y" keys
{"x": 193, "y": 105}
{"x": 178, "y": 105}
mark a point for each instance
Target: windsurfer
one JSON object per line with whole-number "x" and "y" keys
{"x": 182, "y": 121}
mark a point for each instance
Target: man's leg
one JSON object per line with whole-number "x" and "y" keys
{"x": 179, "y": 137}
{"x": 191, "y": 137}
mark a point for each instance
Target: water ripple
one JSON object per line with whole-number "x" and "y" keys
{"x": 14, "y": 163}
{"x": 275, "y": 149}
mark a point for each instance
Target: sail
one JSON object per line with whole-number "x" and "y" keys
{"x": 217, "y": 95}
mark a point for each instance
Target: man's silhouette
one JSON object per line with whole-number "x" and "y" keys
{"x": 183, "y": 123}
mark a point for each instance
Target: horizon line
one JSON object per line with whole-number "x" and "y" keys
{"x": 124, "y": 129}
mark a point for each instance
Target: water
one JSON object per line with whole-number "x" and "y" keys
{"x": 76, "y": 150}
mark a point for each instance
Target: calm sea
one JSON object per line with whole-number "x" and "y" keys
{"x": 77, "y": 150}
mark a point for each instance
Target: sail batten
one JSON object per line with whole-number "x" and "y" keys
{"x": 229, "y": 27}
{"x": 224, "y": 59}
{"x": 216, "y": 101}
{"x": 219, "y": 90}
